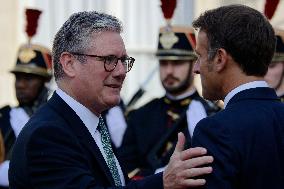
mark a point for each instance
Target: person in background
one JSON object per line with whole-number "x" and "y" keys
{"x": 32, "y": 73}
{"x": 275, "y": 74}
{"x": 66, "y": 143}
{"x": 235, "y": 45}
{"x": 152, "y": 129}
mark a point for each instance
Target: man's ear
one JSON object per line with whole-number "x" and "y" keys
{"x": 221, "y": 59}
{"x": 67, "y": 62}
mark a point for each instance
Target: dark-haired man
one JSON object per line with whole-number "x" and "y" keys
{"x": 235, "y": 45}
{"x": 66, "y": 143}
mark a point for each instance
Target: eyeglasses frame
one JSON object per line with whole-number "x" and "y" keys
{"x": 104, "y": 59}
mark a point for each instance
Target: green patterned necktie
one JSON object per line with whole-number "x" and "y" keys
{"x": 110, "y": 160}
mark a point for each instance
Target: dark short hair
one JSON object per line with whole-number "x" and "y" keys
{"x": 243, "y": 32}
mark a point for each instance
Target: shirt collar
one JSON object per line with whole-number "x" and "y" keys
{"x": 89, "y": 119}
{"x": 253, "y": 84}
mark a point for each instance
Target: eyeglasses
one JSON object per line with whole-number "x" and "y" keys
{"x": 110, "y": 62}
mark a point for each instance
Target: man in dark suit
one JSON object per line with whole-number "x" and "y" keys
{"x": 235, "y": 45}
{"x": 66, "y": 143}
{"x": 275, "y": 73}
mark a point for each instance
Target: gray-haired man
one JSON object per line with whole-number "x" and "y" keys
{"x": 66, "y": 144}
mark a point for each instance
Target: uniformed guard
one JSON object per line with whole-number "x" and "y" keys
{"x": 275, "y": 74}
{"x": 32, "y": 71}
{"x": 152, "y": 129}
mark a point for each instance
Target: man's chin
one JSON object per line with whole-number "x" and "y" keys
{"x": 175, "y": 90}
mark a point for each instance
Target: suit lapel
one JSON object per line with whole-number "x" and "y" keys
{"x": 119, "y": 160}
{"x": 81, "y": 131}
{"x": 89, "y": 142}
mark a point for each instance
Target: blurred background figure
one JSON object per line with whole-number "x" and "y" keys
{"x": 275, "y": 74}
{"x": 32, "y": 72}
{"x": 152, "y": 129}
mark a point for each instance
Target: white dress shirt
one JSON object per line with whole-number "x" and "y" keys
{"x": 250, "y": 85}
{"x": 91, "y": 122}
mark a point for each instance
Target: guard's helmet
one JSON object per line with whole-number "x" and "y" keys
{"x": 176, "y": 43}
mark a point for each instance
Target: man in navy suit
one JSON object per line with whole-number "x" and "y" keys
{"x": 66, "y": 144}
{"x": 235, "y": 45}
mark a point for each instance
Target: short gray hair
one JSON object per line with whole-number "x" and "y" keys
{"x": 76, "y": 32}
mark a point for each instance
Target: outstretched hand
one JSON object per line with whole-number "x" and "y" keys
{"x": 184, "y": 165}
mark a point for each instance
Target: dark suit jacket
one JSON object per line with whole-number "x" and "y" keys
{"x": 246, "y": 140}
{"x": 56, "y": 151}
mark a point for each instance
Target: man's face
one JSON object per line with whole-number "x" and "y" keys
{"x": 274, "y": 75}
{"x": 175, "y": 75}
{"x": 205, "y": 68}
{"x": 96, "y": 88}
{"x": 28, "y": 87}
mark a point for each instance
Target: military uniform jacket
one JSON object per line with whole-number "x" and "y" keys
{"x": 7, "y": 131}
{"x": 12, "y": 121}
{"x": 152, "y": 133}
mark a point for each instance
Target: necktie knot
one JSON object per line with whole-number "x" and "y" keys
{"x": 101, "y": 124}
